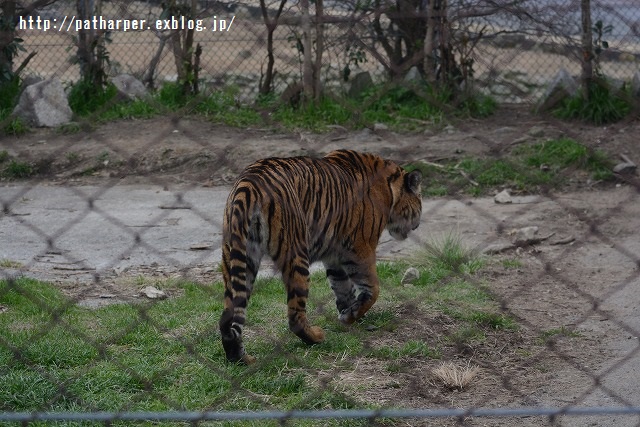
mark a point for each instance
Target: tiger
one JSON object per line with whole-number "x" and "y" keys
{"x": 300, "y": 210}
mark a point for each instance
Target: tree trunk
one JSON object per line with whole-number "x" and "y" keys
{"x": 91, "y": 48}
{"x": 307, "y": 64}
{"x": 429, "y": 58}
{"x": 7, "y": 34}
{"x": 271, "y": 24}
{"x": 587, "y": 48}
{"x": 317, "y": 68}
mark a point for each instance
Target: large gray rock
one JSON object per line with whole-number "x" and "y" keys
{"x": 635, "y": 84}
{"x": 129, "y": 87}
{"x": 561, "y": 87}
{"x": 360, "y": 83}
{"x": 44, "y": 104}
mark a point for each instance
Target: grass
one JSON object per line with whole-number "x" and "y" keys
{"x": 15, "y": 169}
{"x": 7, "y": 263}
{"x": 166, "y": 355}
{"x": 455, "y": 377}
{"x": 400, "y": 107}
{"x": 550, "y": 335}
{"x": 604, "y": 104}
{"x": 527, "y": 169}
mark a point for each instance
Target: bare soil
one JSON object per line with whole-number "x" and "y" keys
{"x": 577, "y": 282}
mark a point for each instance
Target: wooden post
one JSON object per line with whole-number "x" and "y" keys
{"x": 307, "y": 65}
{"x": 587, "y": 49}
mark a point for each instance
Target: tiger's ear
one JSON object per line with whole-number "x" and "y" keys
{"x": 412, "y": 181}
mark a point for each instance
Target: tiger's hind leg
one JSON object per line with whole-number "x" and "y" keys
{"x": 239, "y": 275}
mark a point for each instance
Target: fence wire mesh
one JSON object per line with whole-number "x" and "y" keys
{"x": 546, "y": 330}
{"x": 512, "y": 49}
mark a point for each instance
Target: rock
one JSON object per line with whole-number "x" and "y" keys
{"x": 503, "y": 197}
{"x": 449, "y": 129}
{"x": 504, "y": 129}
{"x": 31, "y": 79}
{"x": 625, "y": 168}
{"x": 129, "y": 87}
{"x": 498, "y": 248}
{"x": 509, "y": 40}
{"x": 520, "y": 140}
{"x": 44, "y": 104}
{"x": 360, "y": 83}
{"x": 380, "y": 126}
{"x": 635, "y": 85}
{"x": 413, "y": 75}
{"x": 411, "y": 275}
{"x": 561, "y": 87}
{"x": 536, "y": 131}
{"x": 152, "y": 292}
{"x": 526, "y": 236}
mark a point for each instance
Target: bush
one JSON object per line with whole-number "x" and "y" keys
{"x": 9, "y": 92}
{"x": 603, "y": 105}
{"x": 85, "y": 98}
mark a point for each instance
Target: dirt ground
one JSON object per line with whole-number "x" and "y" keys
{"x": 581, "y": 281}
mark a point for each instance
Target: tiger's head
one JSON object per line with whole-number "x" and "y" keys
{"x": 407, "y": 203}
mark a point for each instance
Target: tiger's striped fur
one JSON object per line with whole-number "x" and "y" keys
{"x": 300, "y": 210}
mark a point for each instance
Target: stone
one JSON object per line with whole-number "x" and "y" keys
{"x": 536, "y": 131}
{"x": 152, "y": 292}
{"x": 380, "y": 127}
{"x": 526, "y": 236}
{"x": 413, "y": 76}
{"x": 360, "y": 83}
{"x": 129, "y": 87}
{"x": 635, "y": 85}
{"x": 450, "y": 129}
{"x": 411, "y": 275}
{"x": 44, "y": 104}
{"x": 625, "y": 168}
{"x": 504, "y": 129}
{"x": 561, "y": 87}
{"x": 503, "y": 197}
{"x": 498, "y": 248}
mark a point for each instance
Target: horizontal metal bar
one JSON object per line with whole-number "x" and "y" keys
{"x": 190, "y": 416}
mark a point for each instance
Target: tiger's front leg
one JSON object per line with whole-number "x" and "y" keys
{"x": 362, "y": 293}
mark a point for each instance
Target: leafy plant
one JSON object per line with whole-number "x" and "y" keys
{"x": 86, "y": 98}
{"x": 16, "y": 169}
{"x": 9, "y": 91}
{"x": 603, "y": 105}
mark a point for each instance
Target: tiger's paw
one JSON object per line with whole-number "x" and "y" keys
{"x": 247, "y": 360}
{"x": 309, "y": 334}
{"x": 316, "y": 334}
{"x": 312, "y": 335}
{"x": 347, "y": 316}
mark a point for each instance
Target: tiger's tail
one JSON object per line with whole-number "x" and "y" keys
{"x": 236, "y": 294}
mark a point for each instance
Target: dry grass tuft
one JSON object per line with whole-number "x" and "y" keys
{"x": 454, "y": 377}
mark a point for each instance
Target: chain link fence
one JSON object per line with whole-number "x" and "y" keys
{"x": 512, "y": 50}
{"x": 546, "y": 330}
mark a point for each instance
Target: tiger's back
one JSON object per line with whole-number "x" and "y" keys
{"x": 299, "y": 210}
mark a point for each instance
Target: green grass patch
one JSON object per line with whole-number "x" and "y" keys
{"x": 15, "y": 169}
{"x": 527, "y": 168}
{"x": 167, "y": 355}
{"x": 555, "y": 333}
{"x": 603, "y": 105}
{"x": 511, "y": 263}
{"x": 7, "y": 263}
{"x": 402, "y": 107}
{"x": 86, "y": 98}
